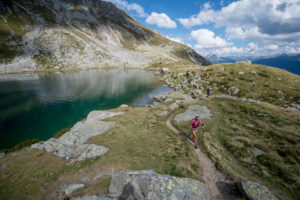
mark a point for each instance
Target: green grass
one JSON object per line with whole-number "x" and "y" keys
{"x": 139, "y": 140}
{"x": 258, "y": 82}
{"x": 275, "y": 131}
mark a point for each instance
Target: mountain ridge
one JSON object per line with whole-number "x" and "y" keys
{"x": 71, "y": 34}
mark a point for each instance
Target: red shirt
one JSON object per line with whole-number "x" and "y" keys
{"x": 196, "y": 123}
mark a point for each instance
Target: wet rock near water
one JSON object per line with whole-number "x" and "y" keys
{"x": 72, "y": 145}
{"x": 255, "y": 191}
{"x": 147, "y": 184}
{"x": 2, "y": 155}
{"x": 192, "y": 111}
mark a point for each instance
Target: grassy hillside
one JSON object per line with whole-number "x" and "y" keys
{"x": 258, "y": 82}
{"x": 139, "y": 140}
{"x": 240, "y": 128}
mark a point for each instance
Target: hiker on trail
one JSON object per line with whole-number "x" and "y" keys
{"x": 195, "y": 123}
{"x": 208, "y": 92}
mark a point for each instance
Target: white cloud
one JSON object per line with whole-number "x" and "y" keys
{"x": 206, "y": 39}
{"x": 263, "y": 21}
{"x": 176, "y": 39}
{"x": 161, "y": 20}
{"x": 271, "y": 47}
{"x": 130, "y": 7}
{"x": 252, "y": 46}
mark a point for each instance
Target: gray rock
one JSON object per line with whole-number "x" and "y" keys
{"x": 97, "y": 197}
{"x": 72, "y": 188}
{"x": 255, "y": 191}
{"x": 225, "y": 96}
{"x": 192, "y": 111}
{"x": 146, "y": 184}
{"x": 249, "y": 125}
{"x": 257, "y": 152}
{"x": 72, "y": 145}
{"x": 124, "y": 106}
{"x": 295, "y": 106}
{"x": 2, "y": 155}
{"x": 240, "y": 138}
{"x": 164, "y": 70}
{"x": 241, "y": 73}
{"x": 234, "y": 90}
{"x": 163, "y": 113}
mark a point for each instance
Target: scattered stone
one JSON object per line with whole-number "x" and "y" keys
{"x": 295, "y": 106}
{"x": 124, "y": 106}
{"x": 253, "y": 72}
{"x": 192, "y": 111}
{"x": 163, "y": 113}
{"x": 255, "y": 191}
{"x": 175, "y": 105}
{"x": 72, "y": 188}
{"x": 249, "y": 125}
{"x": 2, "y": 155}
{"x": 71, "y": 145}
{"x": 225, "y": 96}
{"x": 279, "y": 79}
{"x": 234, "y": 90}
{"x": 257, "y": 152}
{"x": 241, "y": 73}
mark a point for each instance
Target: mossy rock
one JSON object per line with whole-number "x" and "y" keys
{"x": 255, "y": 191}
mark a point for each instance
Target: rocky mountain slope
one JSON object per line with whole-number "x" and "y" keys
{"x": 61, "y": 34}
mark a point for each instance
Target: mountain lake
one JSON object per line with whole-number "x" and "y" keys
{"x": 38, "y": 105}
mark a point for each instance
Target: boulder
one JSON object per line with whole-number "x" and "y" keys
{"x": 2, "y": 155}
{"x": 257, "y": 152}
{"x": 124, "y": 106}
{"x": 164, "y": 70}
{"x": 192, "y": 111}
{"x": 234, "y": 90}
{"x": 72, "y": 188}
{"x": 147, "y": 184}
{"x": 255, "y": 191}
{"x": 72, "y": 145}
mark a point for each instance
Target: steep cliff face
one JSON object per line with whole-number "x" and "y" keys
{"x": 80, "y": 34}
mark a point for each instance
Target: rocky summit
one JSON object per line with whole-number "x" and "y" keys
{"x": 72, "y": 145}
{"x": 147, "y": 184}
{"x": 81, "y": 34}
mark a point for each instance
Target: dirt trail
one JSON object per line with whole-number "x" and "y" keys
{"x": 211, "y": 175}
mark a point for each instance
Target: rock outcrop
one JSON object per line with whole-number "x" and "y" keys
{"x": 71, "y": 188}
{"x": 192, "y": 111}
{"x": 255, "y": 191}
{"x": 148, "y": 185}
{"x": 72, "y": 145}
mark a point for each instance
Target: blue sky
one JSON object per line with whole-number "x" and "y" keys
{"x": 223, "y": 27}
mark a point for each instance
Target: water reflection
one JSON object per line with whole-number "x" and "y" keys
{"x": 71, "y": 86}
{"x": 39, "y": 105}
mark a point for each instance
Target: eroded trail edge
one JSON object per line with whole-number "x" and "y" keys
{"x": 211, "y": 175}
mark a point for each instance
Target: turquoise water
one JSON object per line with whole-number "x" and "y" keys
{"x": 36, "y": 106}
